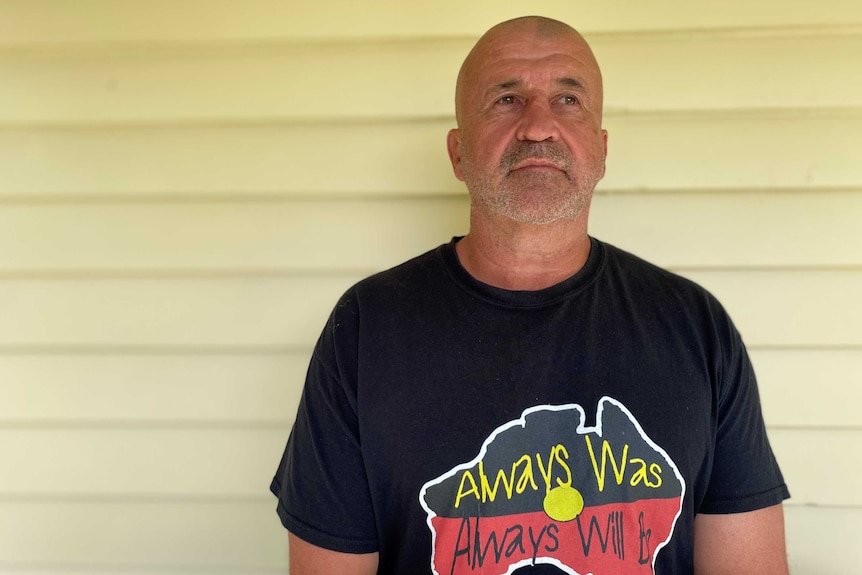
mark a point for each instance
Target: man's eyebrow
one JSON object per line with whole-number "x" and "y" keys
{"x": 571, "y": 83}
{"x": 508, "y": 85}
{"x": 566, "y": 81}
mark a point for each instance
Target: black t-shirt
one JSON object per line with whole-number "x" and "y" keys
{"x": 461, "y": 428}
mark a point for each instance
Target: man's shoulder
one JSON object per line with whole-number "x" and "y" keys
{"x": 644, "y": 283}
{"x": 416, "y": 269}
{"x": 635, "y": 269}
{"x": 400, "y": 284}
{"x": 669, "y": 299}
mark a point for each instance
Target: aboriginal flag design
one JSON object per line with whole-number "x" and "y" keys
{"x": 545, "y": 488}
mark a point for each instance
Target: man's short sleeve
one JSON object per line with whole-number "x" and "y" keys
{"x": 745, "y": 475}
{"x": 321, "y": 485}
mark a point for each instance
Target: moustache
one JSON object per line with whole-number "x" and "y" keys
{"x": 520, "y": 152}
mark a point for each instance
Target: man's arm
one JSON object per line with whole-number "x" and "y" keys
{"x": 308, "y": 559}
{"x": 749, "y": 543}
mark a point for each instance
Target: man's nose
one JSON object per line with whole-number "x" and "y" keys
{"x": 538, "y": 123}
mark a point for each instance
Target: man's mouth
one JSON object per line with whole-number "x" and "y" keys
{"x": 537, "y": 164}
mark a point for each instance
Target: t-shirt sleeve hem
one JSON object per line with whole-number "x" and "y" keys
{"x": 761, "y": 500}
{"x": 321, "y": 539}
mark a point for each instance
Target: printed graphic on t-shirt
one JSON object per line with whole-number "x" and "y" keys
{"x": 545, "y": 488}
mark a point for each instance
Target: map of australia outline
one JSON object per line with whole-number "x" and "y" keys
{"x": 545, "y": 488}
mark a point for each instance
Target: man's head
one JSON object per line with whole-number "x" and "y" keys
{"x": 529, "y": 143}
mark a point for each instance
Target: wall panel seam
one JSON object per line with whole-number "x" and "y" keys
{"x": 186, "y": 197}
{"x": 237, "y": 47}
{"x": 649, "y": 114}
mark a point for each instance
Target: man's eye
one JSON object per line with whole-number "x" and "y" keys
{"x": 568, "y": 100}
{"x": 506, "y": 100}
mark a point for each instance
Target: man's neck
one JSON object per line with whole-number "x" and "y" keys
{"x": 516, "y": 256}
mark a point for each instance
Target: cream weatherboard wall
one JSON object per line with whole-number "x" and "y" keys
{"x": 186, "y": 187}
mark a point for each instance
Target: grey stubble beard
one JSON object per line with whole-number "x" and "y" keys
{"x": 533, "y": 197}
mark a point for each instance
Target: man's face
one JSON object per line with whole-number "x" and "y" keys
{"x": 530, "y": 146}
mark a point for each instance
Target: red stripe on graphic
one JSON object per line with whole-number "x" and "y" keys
{"x": 603, "y": 540}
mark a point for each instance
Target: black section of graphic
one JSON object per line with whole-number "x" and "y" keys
{"x": 548, "y": 448}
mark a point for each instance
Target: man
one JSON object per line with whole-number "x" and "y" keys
{"x": 527, "y": 397}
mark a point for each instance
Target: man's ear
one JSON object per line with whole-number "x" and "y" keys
{"x": 453, "y": 146}
{"x": 605, "y": 150}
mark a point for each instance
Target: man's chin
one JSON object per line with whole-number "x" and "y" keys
{"x": 540, "y": 208}
{"x": 543, "y": 214}
{"x": 539, "y": 219}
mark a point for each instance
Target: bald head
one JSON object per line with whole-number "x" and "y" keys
{"x": 512, "y": 39}
{"x": 529, "y": 143}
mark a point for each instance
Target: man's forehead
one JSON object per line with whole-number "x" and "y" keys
{"x": 556, "y": 69}
{"x": 562, "y": 81}
{"x": 530, "y": 46}
{"x": 513, "y": 83}
{"x": 560, "y": 56}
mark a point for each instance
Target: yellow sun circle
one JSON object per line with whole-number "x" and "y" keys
{"x": 563, "y": 503}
